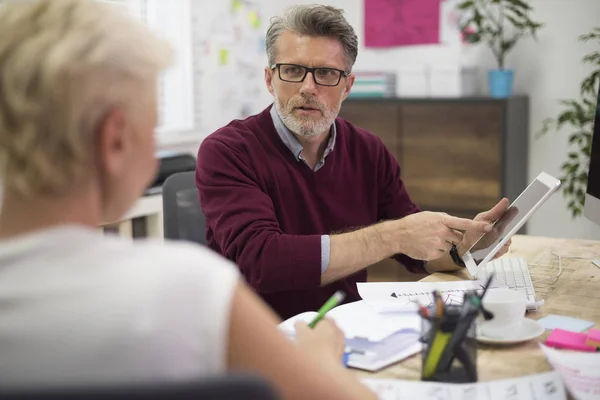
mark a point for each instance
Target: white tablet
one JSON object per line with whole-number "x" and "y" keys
{"x": 510, "y": 222}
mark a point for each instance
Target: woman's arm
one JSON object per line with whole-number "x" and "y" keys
{"x": 297, "y": 372}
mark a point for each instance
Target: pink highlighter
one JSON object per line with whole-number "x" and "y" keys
{"x": 563, "y": 339}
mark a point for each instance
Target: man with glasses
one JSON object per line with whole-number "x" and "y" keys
{"x": 303, "y": 201}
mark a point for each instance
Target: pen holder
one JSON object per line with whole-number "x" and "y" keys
{"x": 449, "y": 352}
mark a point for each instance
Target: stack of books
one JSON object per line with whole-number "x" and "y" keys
{"x": 373, "y": 84}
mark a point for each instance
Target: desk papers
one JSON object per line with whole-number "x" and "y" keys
{"x": 579, "y": 371}
{"x": 547, "y": 386}
{"x": 393, "y": 297}
{"x": 358, "y": 320}
{"x": 374, "y": 340}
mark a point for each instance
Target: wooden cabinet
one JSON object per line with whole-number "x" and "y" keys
{"x": 456, "y": 155}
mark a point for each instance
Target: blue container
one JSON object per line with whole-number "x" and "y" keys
{"x": 500, "y": 82}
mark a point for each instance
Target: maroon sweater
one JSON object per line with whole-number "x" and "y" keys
{"x": 266, "y": 211}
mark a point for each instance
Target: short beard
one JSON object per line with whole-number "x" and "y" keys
{"x": 306, "y": 127}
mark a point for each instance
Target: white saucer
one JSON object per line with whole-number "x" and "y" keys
{"x": 529, "y": 329}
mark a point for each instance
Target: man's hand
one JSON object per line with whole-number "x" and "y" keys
{"x": 325, "y": 342}
{"x": 430, "y": 235}
{"x": 498, "y": 229}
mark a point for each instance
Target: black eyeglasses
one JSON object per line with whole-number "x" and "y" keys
{"x": 297, "y": 73}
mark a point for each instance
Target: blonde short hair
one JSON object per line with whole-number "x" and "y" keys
{"x": 63, "y": 65}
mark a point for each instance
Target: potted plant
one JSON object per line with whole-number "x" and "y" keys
{"x": 500, "y": 24}
{"x": 579, "y": 114}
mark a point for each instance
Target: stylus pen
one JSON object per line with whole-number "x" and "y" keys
{"x": 333, "y": 301}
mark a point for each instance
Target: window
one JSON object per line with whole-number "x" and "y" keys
{"x": 172, "y": 20}
{"x": 218, "y": 72}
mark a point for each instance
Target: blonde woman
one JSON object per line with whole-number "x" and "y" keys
{"x": 77, "y": 115}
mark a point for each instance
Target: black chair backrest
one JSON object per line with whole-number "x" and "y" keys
{"x": 182, "y": 216}
{"x": 230, "y": 387}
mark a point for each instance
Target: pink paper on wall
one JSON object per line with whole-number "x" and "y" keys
{"x": 390, "y": 23}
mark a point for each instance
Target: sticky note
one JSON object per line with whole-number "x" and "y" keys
{"x": 568, "y": 323}
{"x": 223, "y": 56}
{"x": 563, "y": 339}
{"x": 236, "y": 5}
{"x": 254, "y": 19}
{"x": 593, "y": 337}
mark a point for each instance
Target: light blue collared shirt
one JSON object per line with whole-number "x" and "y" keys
{"x": 295, "y": 147}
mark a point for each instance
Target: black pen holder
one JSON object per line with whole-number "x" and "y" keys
{"x": 449, "y": 352}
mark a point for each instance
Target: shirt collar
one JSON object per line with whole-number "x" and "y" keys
{"x": 290, "y": 140}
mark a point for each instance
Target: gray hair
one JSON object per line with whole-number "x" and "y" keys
{"x": 64, "y": 64}
{"x": 314, "y": 20}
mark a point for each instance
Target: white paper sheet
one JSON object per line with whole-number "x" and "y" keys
{"x": 389, "y": 354}
{"x": 579, "y": 371}
{"x": 547, "y": 386}
{"x": 358, "y": 320}
{"x": 394, "y": 297}
{"x": 380, "y": 339}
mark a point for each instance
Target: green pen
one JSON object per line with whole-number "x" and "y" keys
{"x": 333, "y": 301}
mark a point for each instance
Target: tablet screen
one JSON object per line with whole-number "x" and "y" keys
{"x": 519, "y": 209}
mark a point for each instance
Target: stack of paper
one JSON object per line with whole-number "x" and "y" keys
{"x": 375, "y": 341}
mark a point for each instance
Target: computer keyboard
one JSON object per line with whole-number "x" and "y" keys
{"x": 511, "y": 272}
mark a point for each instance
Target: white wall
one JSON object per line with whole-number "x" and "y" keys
{"x": 551, "y": 70}
{"x": 548, "y": 70}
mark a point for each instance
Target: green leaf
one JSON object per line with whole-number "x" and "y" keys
{"x": 590, "y": 36}
{"x": 516, "y": 23}
{"x": 518, "y": 12}
{"x": 589, "y": 84}
{"x": 592, "y": 58}
{"x": 569, "y": 189}
{"x": 473, "y": 38}
{"x": 465, "y": 4}
{"x": 577, "y": 114}
{"x": 573, "y": 169}
{"x": 520, "y": 4}
{"x": 506, "y": 45}
{"x": 589, "y": 103}
{"x": 565, "y": 117}
{"x": 535, "y": 28}
{"x": 478, "y": 19}
{"x": 565, "y": 165}
{"x": 574, "y": 138}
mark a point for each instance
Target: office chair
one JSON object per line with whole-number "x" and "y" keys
{"x": 230, "y": 387}
{"x": 182, "y": 216}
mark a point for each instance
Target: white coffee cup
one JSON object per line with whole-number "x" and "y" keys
{"x": 508, "y": 307}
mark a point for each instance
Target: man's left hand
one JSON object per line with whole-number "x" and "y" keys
{"x": 470, "y": 237}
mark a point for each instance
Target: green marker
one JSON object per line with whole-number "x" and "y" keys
{"x": 333, "y": 301}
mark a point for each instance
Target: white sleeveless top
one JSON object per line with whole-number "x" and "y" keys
{"x": 79, "y": 307}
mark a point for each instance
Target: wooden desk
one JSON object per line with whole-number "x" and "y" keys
{"x": 575, "y": 293}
